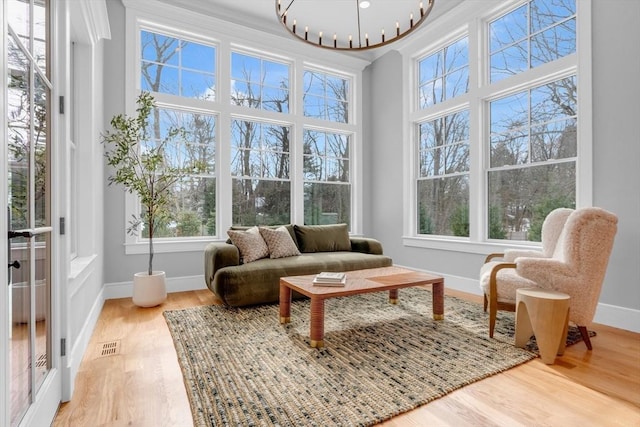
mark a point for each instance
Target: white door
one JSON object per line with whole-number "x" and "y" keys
{"x": 32, "y": 391}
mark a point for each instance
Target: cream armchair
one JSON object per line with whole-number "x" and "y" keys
{"x": 576, "y": 267}
{"x": 551, "y": 229}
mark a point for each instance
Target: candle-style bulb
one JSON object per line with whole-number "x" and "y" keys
{"x": 294, "y": 26}
{"x": 397, "y": 28}
{"x": 383, "y": 35}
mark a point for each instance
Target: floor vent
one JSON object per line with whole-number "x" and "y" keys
{"x": 110, "y": 348}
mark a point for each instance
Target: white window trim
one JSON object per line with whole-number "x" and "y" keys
{"x": 474, "y": 17}
{"x": 228, "y": 37}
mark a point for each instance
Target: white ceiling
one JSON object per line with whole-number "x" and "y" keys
{"x": 261, "y": 15}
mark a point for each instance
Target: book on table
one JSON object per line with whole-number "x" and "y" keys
{"x": 326, "y": 278}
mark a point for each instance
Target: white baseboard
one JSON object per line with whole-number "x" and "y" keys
{"x": 606, "y": 314}
{"x": 174, "y": 284}
{"x": 610, "y": 315}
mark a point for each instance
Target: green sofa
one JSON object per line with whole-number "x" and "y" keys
{"x": 322, "y": 248}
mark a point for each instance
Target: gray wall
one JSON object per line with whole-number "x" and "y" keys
{"x": 616, "y": 180}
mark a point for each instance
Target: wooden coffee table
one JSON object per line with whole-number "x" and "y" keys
{"x": 358, "y": 282}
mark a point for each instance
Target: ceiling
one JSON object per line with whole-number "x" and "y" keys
{"x": 261, "y": 15}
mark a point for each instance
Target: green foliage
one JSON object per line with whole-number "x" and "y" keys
{"x": 189, "y": 224}
{"x": 460, "y": 221}
{"x": 540, "y": 212}
{"x": 496, "y": 229}
{"x": 143, "y": 172}
{"x": 426, "y": 224}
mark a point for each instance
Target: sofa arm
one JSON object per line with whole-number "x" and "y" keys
{"x": 366, "y": 245}
{"x": 218, "y": 255}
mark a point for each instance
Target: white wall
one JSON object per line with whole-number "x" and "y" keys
{"x": 616, "y": 110}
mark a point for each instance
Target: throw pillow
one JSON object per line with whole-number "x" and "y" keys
{"x": 250, "y": 243}
{"x": 323, "y": 238}
{"x": 279, "y": 242}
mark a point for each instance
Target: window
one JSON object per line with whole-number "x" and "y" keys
{"x": 327, "y": 191}
{"x": 508, "y": 143}
{"x": 258, "y": 83}
{"x": 326, "y": 97}
{"x": 177, "y": 67}
{"x": 179, "y": 73}
{"x": 445, "y": 74}
{"x": 533, "y": 149}
{"x": 538, "y": 32}
{"x": 267, "y": 151}
{"x": 443, "y": 182}
{"x": 260, "y": 170}
{"x": 327, "y": 149}
{"x": 193, "y": 208}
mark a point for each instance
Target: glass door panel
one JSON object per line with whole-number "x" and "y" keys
{"x": 29, "y": 219}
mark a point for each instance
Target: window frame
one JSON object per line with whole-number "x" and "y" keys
{"x": 475, "y": 20}
{"x": 230, "y": 37}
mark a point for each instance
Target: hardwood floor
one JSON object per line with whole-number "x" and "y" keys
{"x": 130, "y": 376}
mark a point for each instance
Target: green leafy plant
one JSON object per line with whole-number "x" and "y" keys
{"x": 143, "y": 169}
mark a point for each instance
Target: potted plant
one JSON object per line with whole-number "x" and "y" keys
{"x": 139, "y": 165}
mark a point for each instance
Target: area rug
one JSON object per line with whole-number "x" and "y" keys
{"x": 241, "y": 367}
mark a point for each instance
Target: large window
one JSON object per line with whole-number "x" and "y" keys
{"x": 505, "y": 139}
{"x": 180, "y": 73}
{"x": 265, "y": 151}
{"x": 327, "y": 149}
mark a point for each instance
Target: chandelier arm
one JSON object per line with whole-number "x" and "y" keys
{"x": 359, "y": 30}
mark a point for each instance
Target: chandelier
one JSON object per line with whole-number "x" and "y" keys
{"x": 351, "y": 24}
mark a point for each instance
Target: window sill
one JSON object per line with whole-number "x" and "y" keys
{"x": 466, "y": 246}
{"x": 168, "y": 246}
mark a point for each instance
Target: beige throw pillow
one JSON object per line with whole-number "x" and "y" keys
{"x": 250, "y": 243}
{"x": 279, "y": 242}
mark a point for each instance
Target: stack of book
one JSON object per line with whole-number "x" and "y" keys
{"x": 330, "y": 279}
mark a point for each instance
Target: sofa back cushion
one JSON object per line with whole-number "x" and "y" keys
{"x": 322, "y": 238}
{"x": 279, "y": 241}
{"x": 250, "y": 244}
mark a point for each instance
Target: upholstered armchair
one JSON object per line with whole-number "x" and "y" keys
{"x": 576, "y": 266}
{"x": 551, "y": 228}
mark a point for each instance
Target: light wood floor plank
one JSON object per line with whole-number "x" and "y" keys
{"x": 142, "y": 384}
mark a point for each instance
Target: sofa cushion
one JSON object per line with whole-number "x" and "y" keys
{"x": 289, "y": 228}
{"x": 323, "y": 238}
{"x": 250, "y": 244}
{"x": 279, "y": 242}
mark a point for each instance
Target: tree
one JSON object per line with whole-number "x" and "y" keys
{"x": 144, "y": 172}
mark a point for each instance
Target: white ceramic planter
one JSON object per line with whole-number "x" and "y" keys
{"x": 149, "y": 290}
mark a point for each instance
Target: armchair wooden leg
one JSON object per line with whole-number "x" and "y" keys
{"x": 493, "y": 313}
{"x": 486, "y": 302}
{"x": 585, "y": 336}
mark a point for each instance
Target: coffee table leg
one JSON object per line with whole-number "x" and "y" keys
{"x": 437, "y": 290}
{"x": 393, "y": 296}
{"x": 285, "y": 304}
{"x": 316, "y": 333}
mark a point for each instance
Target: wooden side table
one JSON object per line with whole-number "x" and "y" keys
{"x": 545, "y": 314}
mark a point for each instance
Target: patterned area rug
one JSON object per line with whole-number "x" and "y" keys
{"x": 241, "y": 367}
